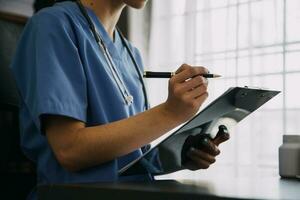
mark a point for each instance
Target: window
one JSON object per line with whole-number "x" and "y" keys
{"x": 253, "y": 43}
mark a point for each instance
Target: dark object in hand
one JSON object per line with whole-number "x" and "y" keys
{"x": 201, "y": 142}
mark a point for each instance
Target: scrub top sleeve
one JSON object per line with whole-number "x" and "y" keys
{"x": 54, "y": 80}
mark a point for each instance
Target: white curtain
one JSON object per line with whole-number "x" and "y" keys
{"x": 253, "y": 43}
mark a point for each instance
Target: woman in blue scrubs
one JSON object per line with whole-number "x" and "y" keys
{"x": 83, "y": 113}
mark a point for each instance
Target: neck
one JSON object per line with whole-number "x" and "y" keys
{"x": 108, "y": 12}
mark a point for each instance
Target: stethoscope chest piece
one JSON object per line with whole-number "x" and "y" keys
{"x": 129, "y": 100}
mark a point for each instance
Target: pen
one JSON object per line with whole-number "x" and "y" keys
{"x": 148, "y": 74}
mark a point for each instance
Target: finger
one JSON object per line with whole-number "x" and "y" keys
{"x": 205, "y": 81}
{"x": 210, "y": 147}
{"x": 191, "y": 166}
{"x": 196, "y": 92}
{"x": 201, "y": 164}
{"x": 200, "y": 99}
{"x": 189, "y": 72}
{"x": 202, "y": 155}
{"x": 193, "y": 83}
{"x": 182, "y": 68}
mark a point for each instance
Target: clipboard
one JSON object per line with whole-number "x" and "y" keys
{"x": 228, "y": 109}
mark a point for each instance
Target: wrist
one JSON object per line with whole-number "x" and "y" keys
{"x": 169, "y": 113}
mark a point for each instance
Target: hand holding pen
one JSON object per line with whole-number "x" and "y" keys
{"x": 187, "y": 92}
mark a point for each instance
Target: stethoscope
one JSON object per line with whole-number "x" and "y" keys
{"x": 128, "y": 98}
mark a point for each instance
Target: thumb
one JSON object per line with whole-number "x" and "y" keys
{"x": 182, "y": 68}
{"x": 222, "y": 135}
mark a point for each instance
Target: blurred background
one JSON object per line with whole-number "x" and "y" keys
{"x": 249, "y": 42}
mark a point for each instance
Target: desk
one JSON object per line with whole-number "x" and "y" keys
{"x": 204, "y": 184}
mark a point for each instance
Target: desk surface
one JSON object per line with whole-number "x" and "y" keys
{"x": 242, "y": 182}
{"x": 204, "y": 185}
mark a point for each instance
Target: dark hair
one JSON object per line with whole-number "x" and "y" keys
{"x": 40, "y": 4}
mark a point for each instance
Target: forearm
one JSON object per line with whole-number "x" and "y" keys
{"x": 90, "y": 146}
{"x": 77, "y": 146}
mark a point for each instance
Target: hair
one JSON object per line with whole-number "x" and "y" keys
{"x": 40, "y": 4}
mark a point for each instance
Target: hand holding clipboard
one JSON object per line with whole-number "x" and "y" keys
{"x": 198, "y": 151}
{"x": 228, "y": 109}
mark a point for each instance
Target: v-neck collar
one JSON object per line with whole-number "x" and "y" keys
{"x": 111, "y": 46}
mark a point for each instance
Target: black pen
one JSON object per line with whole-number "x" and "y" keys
{"x": 148, "y": 74}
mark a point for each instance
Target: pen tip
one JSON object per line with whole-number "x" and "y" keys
{"x": 217, "y": 76}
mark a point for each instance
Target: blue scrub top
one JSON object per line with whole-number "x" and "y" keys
{"x": 60, "y": 70}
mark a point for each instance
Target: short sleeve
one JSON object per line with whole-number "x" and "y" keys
{"x": 48, "y": 69}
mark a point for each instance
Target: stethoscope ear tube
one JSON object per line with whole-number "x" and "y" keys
{"x": 86, "y": 16}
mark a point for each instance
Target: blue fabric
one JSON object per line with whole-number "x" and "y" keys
{"x": 60, "y": 70}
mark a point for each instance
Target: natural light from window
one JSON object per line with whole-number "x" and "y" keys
{"x": 251, "y": 43}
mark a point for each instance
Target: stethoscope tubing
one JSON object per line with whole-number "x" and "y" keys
{"x": 121, "y": 85}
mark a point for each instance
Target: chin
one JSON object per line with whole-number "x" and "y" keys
{"x": 135, "y": 3}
